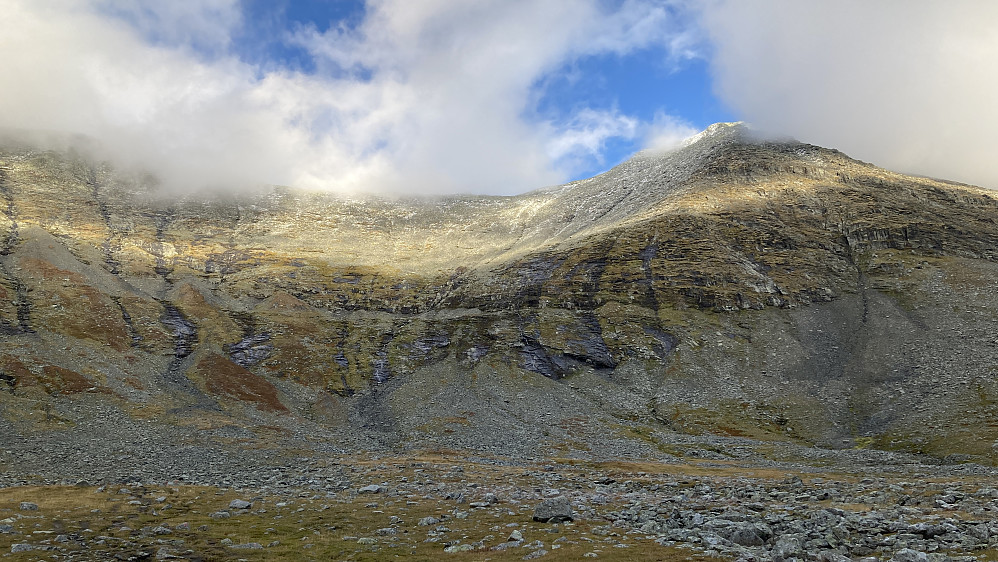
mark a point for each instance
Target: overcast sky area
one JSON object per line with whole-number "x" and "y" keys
{"x": 494, "y": 96}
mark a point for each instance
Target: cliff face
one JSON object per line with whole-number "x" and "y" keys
{"x": 737, "y": 286}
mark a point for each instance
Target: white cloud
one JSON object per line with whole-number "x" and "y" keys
{"x": 429, "y": 96}
{"x": 458, "y": 79}
{"x": 587, "y": 132}
{"x": 667, "y": 132}
{"x": 70, "y": 69}
{"x": 907, "y": 84}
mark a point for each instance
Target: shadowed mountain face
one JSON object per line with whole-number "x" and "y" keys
{"x": 737, "y": 286}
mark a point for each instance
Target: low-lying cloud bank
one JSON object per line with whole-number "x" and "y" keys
{"x": 907, "y": 84}
{"x": 418, "y": 97}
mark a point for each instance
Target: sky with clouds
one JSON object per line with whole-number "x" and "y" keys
{"x": 494, "y": 96}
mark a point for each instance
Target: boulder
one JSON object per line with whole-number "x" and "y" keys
{"x": 553, "y": 510}
{"x": 787, "y": 547}
{"x": 747, "y": 535}
{"x": 240, "y": 504}
{"x": 909, "y": 555}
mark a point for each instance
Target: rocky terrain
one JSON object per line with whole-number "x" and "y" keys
{"x": 445, "y": 504}
{"x": 742, "y": 307}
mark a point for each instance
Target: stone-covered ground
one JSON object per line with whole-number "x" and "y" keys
{"x": 444, "y": 505}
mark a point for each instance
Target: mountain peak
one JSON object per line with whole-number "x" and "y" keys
{"x": 735, "y": 130}
{"x": 678, "y": 288}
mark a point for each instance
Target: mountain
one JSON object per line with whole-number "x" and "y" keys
{"x": 743, "y": 287}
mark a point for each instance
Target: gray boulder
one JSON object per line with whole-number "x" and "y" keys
{"x": 166, "y": 554}
{"x": 831, "y": 556}
{"x": 553, "y": 510}
{"x": 240, "y": 504}
{"x": 980, "y": 532}
{"x": 747, "y": 535}
{"x": 909, "y": 555}
{"x": 787, "y": 547}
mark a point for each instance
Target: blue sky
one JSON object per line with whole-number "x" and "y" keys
{"x": 493, "y": 96}
{"x": 266, "y": 21}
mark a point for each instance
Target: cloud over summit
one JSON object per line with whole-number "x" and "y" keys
{"x": 909, "y": 85}
{"x": 417, "y": 97}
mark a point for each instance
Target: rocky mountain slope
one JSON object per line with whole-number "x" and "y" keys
{"x": 739, "y": 288}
